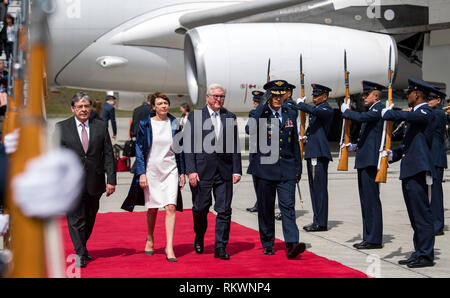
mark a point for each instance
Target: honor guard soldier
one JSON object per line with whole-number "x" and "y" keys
{"x": 439, "y": 156}
{"x": 416, "y": 170}
{"x": 366, "y": 163}
{"x": 277, "y": 171}
{"x": 257, "y": 96}
{"x": 317, "y": 154}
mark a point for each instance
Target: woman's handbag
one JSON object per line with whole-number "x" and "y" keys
{"x": 129, "y": 149}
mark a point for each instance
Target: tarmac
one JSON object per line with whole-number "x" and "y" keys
{"x": 344, "y": 224}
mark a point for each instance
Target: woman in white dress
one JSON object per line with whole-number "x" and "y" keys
{"x": 163, "y": 176}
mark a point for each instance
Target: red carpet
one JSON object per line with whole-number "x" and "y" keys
{"x": 117, "y": 248}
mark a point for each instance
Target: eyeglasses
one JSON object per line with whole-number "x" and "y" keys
{"x": 217, "y": 96}
{"x": 80, "y": 107}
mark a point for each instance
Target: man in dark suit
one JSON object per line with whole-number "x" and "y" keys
{"x": 109, "y": 113}
{"x": 213, "y": 163}
{"x": 366, "y": 162}
{"x": 416, "y": 170}
{"x": 276, "y": 167}
{"x": 91, "y": 142}
{"x": 317, "y": 154}
{"x": 257, "y": 96}
{"x": 140, "y": 113}
{"x": 439, "y": 154}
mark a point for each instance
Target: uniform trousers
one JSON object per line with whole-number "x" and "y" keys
{"x": 81, "y": 221}
{"x": 415, "y": 194}
{"x": 266, "y": 191}
{"x": 437, "y": 200}
{"x": 369, "y": 194}
{"x": 202, "y": 201}
{"x": 318, "y": 189}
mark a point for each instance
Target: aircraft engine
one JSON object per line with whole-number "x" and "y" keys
{"x": 236, "y": 56}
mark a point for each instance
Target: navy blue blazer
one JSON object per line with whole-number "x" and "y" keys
{"x": 144, "y": 138}
{"x": 109, "y": 113}
{"x": 144, "y": 143}
{"x": 370, "y": 136}
{"x": 415, "y": 151}
{"x": 438, "y": 151}
{"x": 321, "y": 117}
{"x": 225, "y": 156}
{"x": 288, "y": 166}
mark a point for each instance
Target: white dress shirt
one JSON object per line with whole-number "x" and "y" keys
{"x": 80, "y": 127}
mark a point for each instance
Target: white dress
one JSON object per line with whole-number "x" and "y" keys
{"x": 162, "y": 171}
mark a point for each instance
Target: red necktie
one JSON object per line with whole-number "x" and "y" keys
{"x": 84, "y": 137}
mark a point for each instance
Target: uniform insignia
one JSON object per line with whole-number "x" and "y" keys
{"x": 289, "y": 123}
{"x": 423, "y": 112}
{"x": 279, "y": 83}
{"x": 375, "y": 110}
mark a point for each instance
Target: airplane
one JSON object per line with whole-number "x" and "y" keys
{"x": 180, "y": 47}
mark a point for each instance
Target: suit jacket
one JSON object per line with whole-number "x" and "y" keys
{"x": 438, "y": 151}
{"x": 109, "y": 113}
{"x": 370, "y": 136}
{"x": 144, "y": 139}
{"x": 225, "y": 155}
{"x": 321, "y": 117}
{"x": 415, "y": 151}
{"x": 288, "y": 165}
{"x": 139, "y": 114}
{"x": 99, "y": 157}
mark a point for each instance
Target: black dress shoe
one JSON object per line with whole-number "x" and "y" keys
{"x": 269, "y": 250}
{"x": 407, "y": 261}
{"x": 252, "y": 209}
{"x": 295, "y": 250}
{"x": 439, "y": 233}
{"x": 220, "y": 253}
{"x": 88, "y": 257}
{"x": 315, "y": 228}
{"x": 278, "y": 216}
{"x": 420, "y": 262}
{"x": 198, "y": 245}
{"x": 367, "y": 245}
{"x": 357, "y": 245}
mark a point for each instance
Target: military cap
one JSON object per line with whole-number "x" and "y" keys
{"x": 110, "y": 97}
{"x": 418, "y": 85}
{"x": 371, "y": 86}
{"x": 276, "y": 87}
{"x": 435, "y": 93}
{"x": 290, "y": 87}
{"x": 319, "y": 89}
{"x": 257, "y": 95}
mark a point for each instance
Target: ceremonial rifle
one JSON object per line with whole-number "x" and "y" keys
{"x": 387, "y": 132}
{"x": 268, "y": 71}
{"x": 345, "y": 134}
{"x": 302, "y": 114}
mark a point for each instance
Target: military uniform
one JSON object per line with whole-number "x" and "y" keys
{"x": 278, "y": 175}
{"x": 366, "y": 163}
{"x": 317, "y": 155}
{"x": 416, "y": 165}
{"x": 257, "y": 96}
{"x": 439, "y": 156}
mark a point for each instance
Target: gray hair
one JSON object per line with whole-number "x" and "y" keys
{"x": 79, "y": 96}
{"x": 216, "y": 86}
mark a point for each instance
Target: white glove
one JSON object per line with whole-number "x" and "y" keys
{"x": 352, "y": 147}
{"x": 344, "y": 107}
{"x": 50, "y": 184}
{"x": 303, "y": 139}
{"x": 383, "y": 111}
{"x": 388, "y": 153}
{"x": 4, "y": 223}
{"x": 301, "y": 100}
{"x": 11, "y": 141}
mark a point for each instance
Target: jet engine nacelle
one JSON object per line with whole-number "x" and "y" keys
{"x": 236, "y": 56}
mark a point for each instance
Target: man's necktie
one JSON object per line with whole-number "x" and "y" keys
{"x": 216, "y": 124}
{"x": 84, "y": 137}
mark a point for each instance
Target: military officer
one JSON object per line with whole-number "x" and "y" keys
{"x": 317, "y": 154}
{"x": 277, "y": 175}
{"x": 257, "y": 96}
{"x": 416, "y": 170}
{"x": 439, "y": 156}
{"x": 366, "y": 163}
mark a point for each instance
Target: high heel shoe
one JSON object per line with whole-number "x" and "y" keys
{"x": 148, "y": 252}
{"x": 170, "y": 259}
